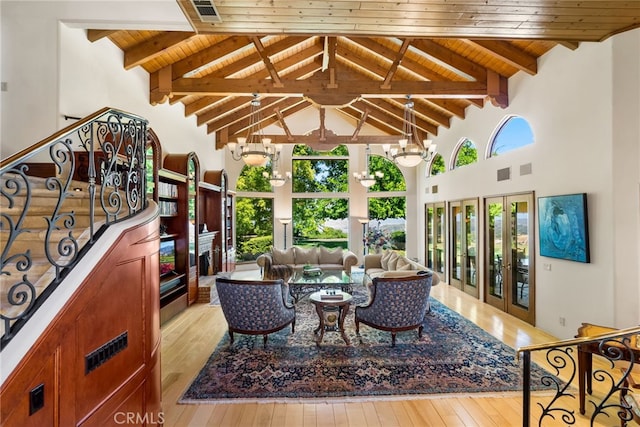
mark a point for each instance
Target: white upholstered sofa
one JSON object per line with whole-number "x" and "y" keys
{"x": 392, "y": 264}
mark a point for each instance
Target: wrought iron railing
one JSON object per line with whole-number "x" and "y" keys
{"x": 102, "y": 154}
{"x": 563, "y": 356}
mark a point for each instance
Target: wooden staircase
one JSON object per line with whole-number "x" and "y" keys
{"x": 30, "y": 244}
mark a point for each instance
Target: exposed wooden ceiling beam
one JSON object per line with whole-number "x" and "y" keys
{"x": 349, "y": 88}
{"x": 267, "y": 61}
{"x": 154, "y": 47}
{"x": 509, "y": 54}
{"x": 386, "y": 84}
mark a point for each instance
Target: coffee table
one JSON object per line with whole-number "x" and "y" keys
{"x": 301, "y": 285}
{"x": 331, "y": 313}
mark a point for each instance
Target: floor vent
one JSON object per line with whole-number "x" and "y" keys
{"x": 206, "y": 10}
{"x": 105, "y": 352}
{"x": 504, "y": 174}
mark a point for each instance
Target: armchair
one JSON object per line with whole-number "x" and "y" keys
{"x": 255, "y": 307}
{"x": 396, "y": 304}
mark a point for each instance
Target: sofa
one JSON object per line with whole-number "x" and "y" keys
{"x": 280, "y": 264}
{"x": 392, "y": 264}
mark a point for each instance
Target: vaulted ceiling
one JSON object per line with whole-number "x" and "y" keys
{"x": 362, "y": 58}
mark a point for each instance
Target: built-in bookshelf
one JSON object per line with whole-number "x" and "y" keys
{"x": 172, "y": 203}
{"x": 221, "y": 213}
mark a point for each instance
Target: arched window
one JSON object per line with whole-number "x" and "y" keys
{"x": 514, "y": 132}
{"x": 436, "y": 167}
{"x": 465, "y": 154}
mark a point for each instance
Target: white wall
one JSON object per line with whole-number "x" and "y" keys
{"x": 584, "y": 116}
{"x": 52, "y": 70}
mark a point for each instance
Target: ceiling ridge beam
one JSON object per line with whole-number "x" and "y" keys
{"x": 438, "y": 89}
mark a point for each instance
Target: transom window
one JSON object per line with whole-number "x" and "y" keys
{"x": 514, "y": 132}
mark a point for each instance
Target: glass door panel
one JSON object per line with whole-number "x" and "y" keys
{"x": 456, "y": 244}
{"x": 471, "y": 252}
{"x": 434, "y": 237}
{"x": 509, "y": 245}
{"x": 464, "y": 240}
{"x": 429, "y": 216}
{"x": 520, "y": 225}
{"x": 439, "y": 228}
{"x": 495, "y": 260}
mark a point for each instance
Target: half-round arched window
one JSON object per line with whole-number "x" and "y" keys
{"x": 514, "y": 132}
{"x": 436, "y": 167}
{"x": 465, "y": 154}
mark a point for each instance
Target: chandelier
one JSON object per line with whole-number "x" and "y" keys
{"x": 365, "y": 178}
{"x": 255, "y": 149}
{"x": 409, "y": 153}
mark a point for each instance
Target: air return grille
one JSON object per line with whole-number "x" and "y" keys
{"x": 105, "y": 352}
{"x": 207, "y": 10}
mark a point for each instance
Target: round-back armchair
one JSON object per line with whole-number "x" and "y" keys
{"x": 255, "y": 307}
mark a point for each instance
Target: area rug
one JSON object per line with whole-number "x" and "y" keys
{"x": 453, "y": 356}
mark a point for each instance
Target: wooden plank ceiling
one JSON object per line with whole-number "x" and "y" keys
{"x": 362, "y": 58}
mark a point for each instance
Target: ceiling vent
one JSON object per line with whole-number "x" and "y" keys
{"x": 206, "y": 10}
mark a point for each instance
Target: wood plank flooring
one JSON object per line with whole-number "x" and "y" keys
{"x": 190, "y": 338}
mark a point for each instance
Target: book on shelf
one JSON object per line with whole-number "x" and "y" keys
{"x": 331, "y": 294}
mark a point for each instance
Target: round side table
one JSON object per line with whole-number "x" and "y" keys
{"x": 327, "y": 306}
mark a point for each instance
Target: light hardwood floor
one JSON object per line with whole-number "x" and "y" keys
{"x": 190, "y": 338}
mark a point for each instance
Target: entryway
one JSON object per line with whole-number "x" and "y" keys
{"x": 509, "y": 266}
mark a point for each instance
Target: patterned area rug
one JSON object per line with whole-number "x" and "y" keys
{"x": 453, "y": 356}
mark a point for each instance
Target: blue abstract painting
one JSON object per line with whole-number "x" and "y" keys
{"x": 564, "y": 227}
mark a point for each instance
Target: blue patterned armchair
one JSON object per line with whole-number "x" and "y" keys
{"x": 396, "y": 304}
{"x": 255, "y": 307}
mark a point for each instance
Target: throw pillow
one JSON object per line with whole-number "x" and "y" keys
{"x": 384, "y": 259}
{"x": 393, "y": 260}
{"x": 330, "y": 257}
{"x": 306, "y": 256}
{"x": 403, "y": 264}
{"x": 282, "y": 256}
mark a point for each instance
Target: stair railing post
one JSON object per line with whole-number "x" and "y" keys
{"x": 526, "y": 388}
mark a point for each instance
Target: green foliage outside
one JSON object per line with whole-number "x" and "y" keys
{"x": 393, "y": 179}
{"x": 320, "y": 176}
{"x": 467, "y": 154}
{"x": 437, "y": 165}
{"x": 305, "y": 150}
{"x": 254, "y": 216}
{"x": 309, "y": 215}
{"x": 254, "y": 220}
{"x": 252, "y": 179}
{"x": 255, "y": 246}
{"x": 381, "y": 208}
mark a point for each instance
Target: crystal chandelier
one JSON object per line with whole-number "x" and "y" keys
{"x": 408, "y": 153}
{"x": 365, "y": 178}
{"x": 255, "y": 149}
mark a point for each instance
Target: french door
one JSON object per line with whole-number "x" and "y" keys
{"x": 435, "y": 230}
{"x": 509, "y": 265}
{"x": 463, "y": 232}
